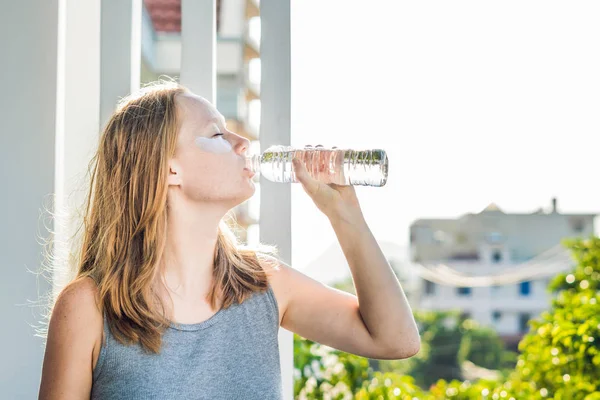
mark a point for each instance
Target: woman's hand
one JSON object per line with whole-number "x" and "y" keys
{"x": 335, "y": 201}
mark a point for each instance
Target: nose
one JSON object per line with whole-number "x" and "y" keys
{"x": 242, "y": 144}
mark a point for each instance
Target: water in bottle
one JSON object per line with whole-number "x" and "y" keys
{"x": 328, "y": 165}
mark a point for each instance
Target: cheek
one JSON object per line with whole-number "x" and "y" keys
{"x": 205, "y": 174}
{"x": 216, "y": 145}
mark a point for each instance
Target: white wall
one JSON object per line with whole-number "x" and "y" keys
{"x": 27, "y": 123}
{"x": 483, "y": 301}
{"x": 167, "y": 55}
{"x": 232, "y": 18}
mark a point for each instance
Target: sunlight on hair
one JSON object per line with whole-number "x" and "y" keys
{"x": 166, "y": 83}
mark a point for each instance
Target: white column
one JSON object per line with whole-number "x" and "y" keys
{"x": 232, "y": 18}
{"x": 121, "y": 48}
{"x": 28, "y": 102}
{"x": 77, "y": 122}
{"x": 198, "y": 47}
{"x": 275, "y": 207}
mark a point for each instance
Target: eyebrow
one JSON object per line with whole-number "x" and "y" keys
{"x": 219, "y": 120}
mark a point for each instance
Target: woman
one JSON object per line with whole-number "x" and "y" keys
{"x": 166, "y": 304}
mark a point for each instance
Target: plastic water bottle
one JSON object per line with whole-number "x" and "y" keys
{"x": 328, "y": 165}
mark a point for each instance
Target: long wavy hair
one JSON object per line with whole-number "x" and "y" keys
{"x": 124, "y": 224}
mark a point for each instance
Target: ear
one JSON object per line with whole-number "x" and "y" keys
{"x": 174, "y": 177}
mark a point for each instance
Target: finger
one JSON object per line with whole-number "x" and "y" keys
{"x": 302, "y": 175}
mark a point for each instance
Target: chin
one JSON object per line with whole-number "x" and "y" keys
{"x": 252, "y": 188}
{"x": 247, "y": 191}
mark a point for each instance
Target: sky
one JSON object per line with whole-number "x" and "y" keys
{"x": 474, "y": 102}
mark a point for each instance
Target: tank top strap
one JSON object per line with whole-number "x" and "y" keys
{"x": 103, "y": 347}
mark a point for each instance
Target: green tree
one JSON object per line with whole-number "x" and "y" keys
{"x": 441, "y": 337}
{"x": 325, "y": 373}
{"x": 447, "y": 341}
{"x": 482, "y": 346}
{"x": 560, "y": 355}
{"x": 319, "y": 369}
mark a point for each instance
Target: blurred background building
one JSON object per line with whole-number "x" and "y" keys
{"x": 493, "y": 243}
{"x": 512, "y": 257}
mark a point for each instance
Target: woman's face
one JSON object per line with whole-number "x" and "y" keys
{"x": 209, "y": 160}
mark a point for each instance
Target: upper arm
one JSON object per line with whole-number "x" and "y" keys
{"x": 74, "y": 329}
{"x": 324, "y": 314}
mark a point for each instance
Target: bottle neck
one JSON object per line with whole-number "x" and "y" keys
{"x": 253, "y": 163}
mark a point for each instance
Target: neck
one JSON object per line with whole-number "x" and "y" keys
{"x": 188, "y": 261}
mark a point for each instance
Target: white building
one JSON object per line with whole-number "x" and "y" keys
{"x": 493, "y": 244}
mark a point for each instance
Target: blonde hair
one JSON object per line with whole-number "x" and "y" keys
{"x": 125, "y": 219}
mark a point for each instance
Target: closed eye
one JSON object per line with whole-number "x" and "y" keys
{"x": 219, "y": 134}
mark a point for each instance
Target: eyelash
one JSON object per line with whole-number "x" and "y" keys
{"x": 219, "y": 134}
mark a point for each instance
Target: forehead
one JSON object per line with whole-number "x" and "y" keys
{"x": 195, "y": 110}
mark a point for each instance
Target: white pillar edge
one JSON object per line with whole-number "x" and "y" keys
{"x": 198, "y": 47}
{"x": 275, "y": 128}
{"x": 120, "y": 52}
{"x": 76, "y": 122}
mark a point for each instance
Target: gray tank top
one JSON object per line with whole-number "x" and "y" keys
{"x": 232, "y": 355}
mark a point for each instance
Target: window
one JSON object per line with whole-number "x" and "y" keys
{"x": 525, "y": 288}
{"x": 496, "y": 256}
{"x": 494, "y": 237}
{"x": 429, "y": 287}
{"x": 496, "y": 316}
{"x": 523, "y": 319}
{"x": 495, "y": 290}
{"x": 440, "y": 237}
{"x": 460, "y": 238}
{"x": 463, "y": 291}
{"x": 577, "y": 224}
{"x": 464, "y": 256}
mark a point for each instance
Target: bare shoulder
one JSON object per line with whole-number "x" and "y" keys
{"x": 74, "y": 333}
{"x": 77, "y": 307}
{"x": 79, "y": 300}
{"x": 85, "y": 292}
{"x": 288, "y": 284}
{"x": 80, "y": 289}
{"x": 278, "y": 273}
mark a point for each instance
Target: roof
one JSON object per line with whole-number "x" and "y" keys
{"x": 492, "y": 207}
{"x": 166, "y": 15}
{"x": 503, "y": 214}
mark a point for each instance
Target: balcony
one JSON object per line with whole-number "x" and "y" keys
{"x": 252, "y": 39}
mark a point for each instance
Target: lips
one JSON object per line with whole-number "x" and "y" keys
{"x": 249, "y": 172}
